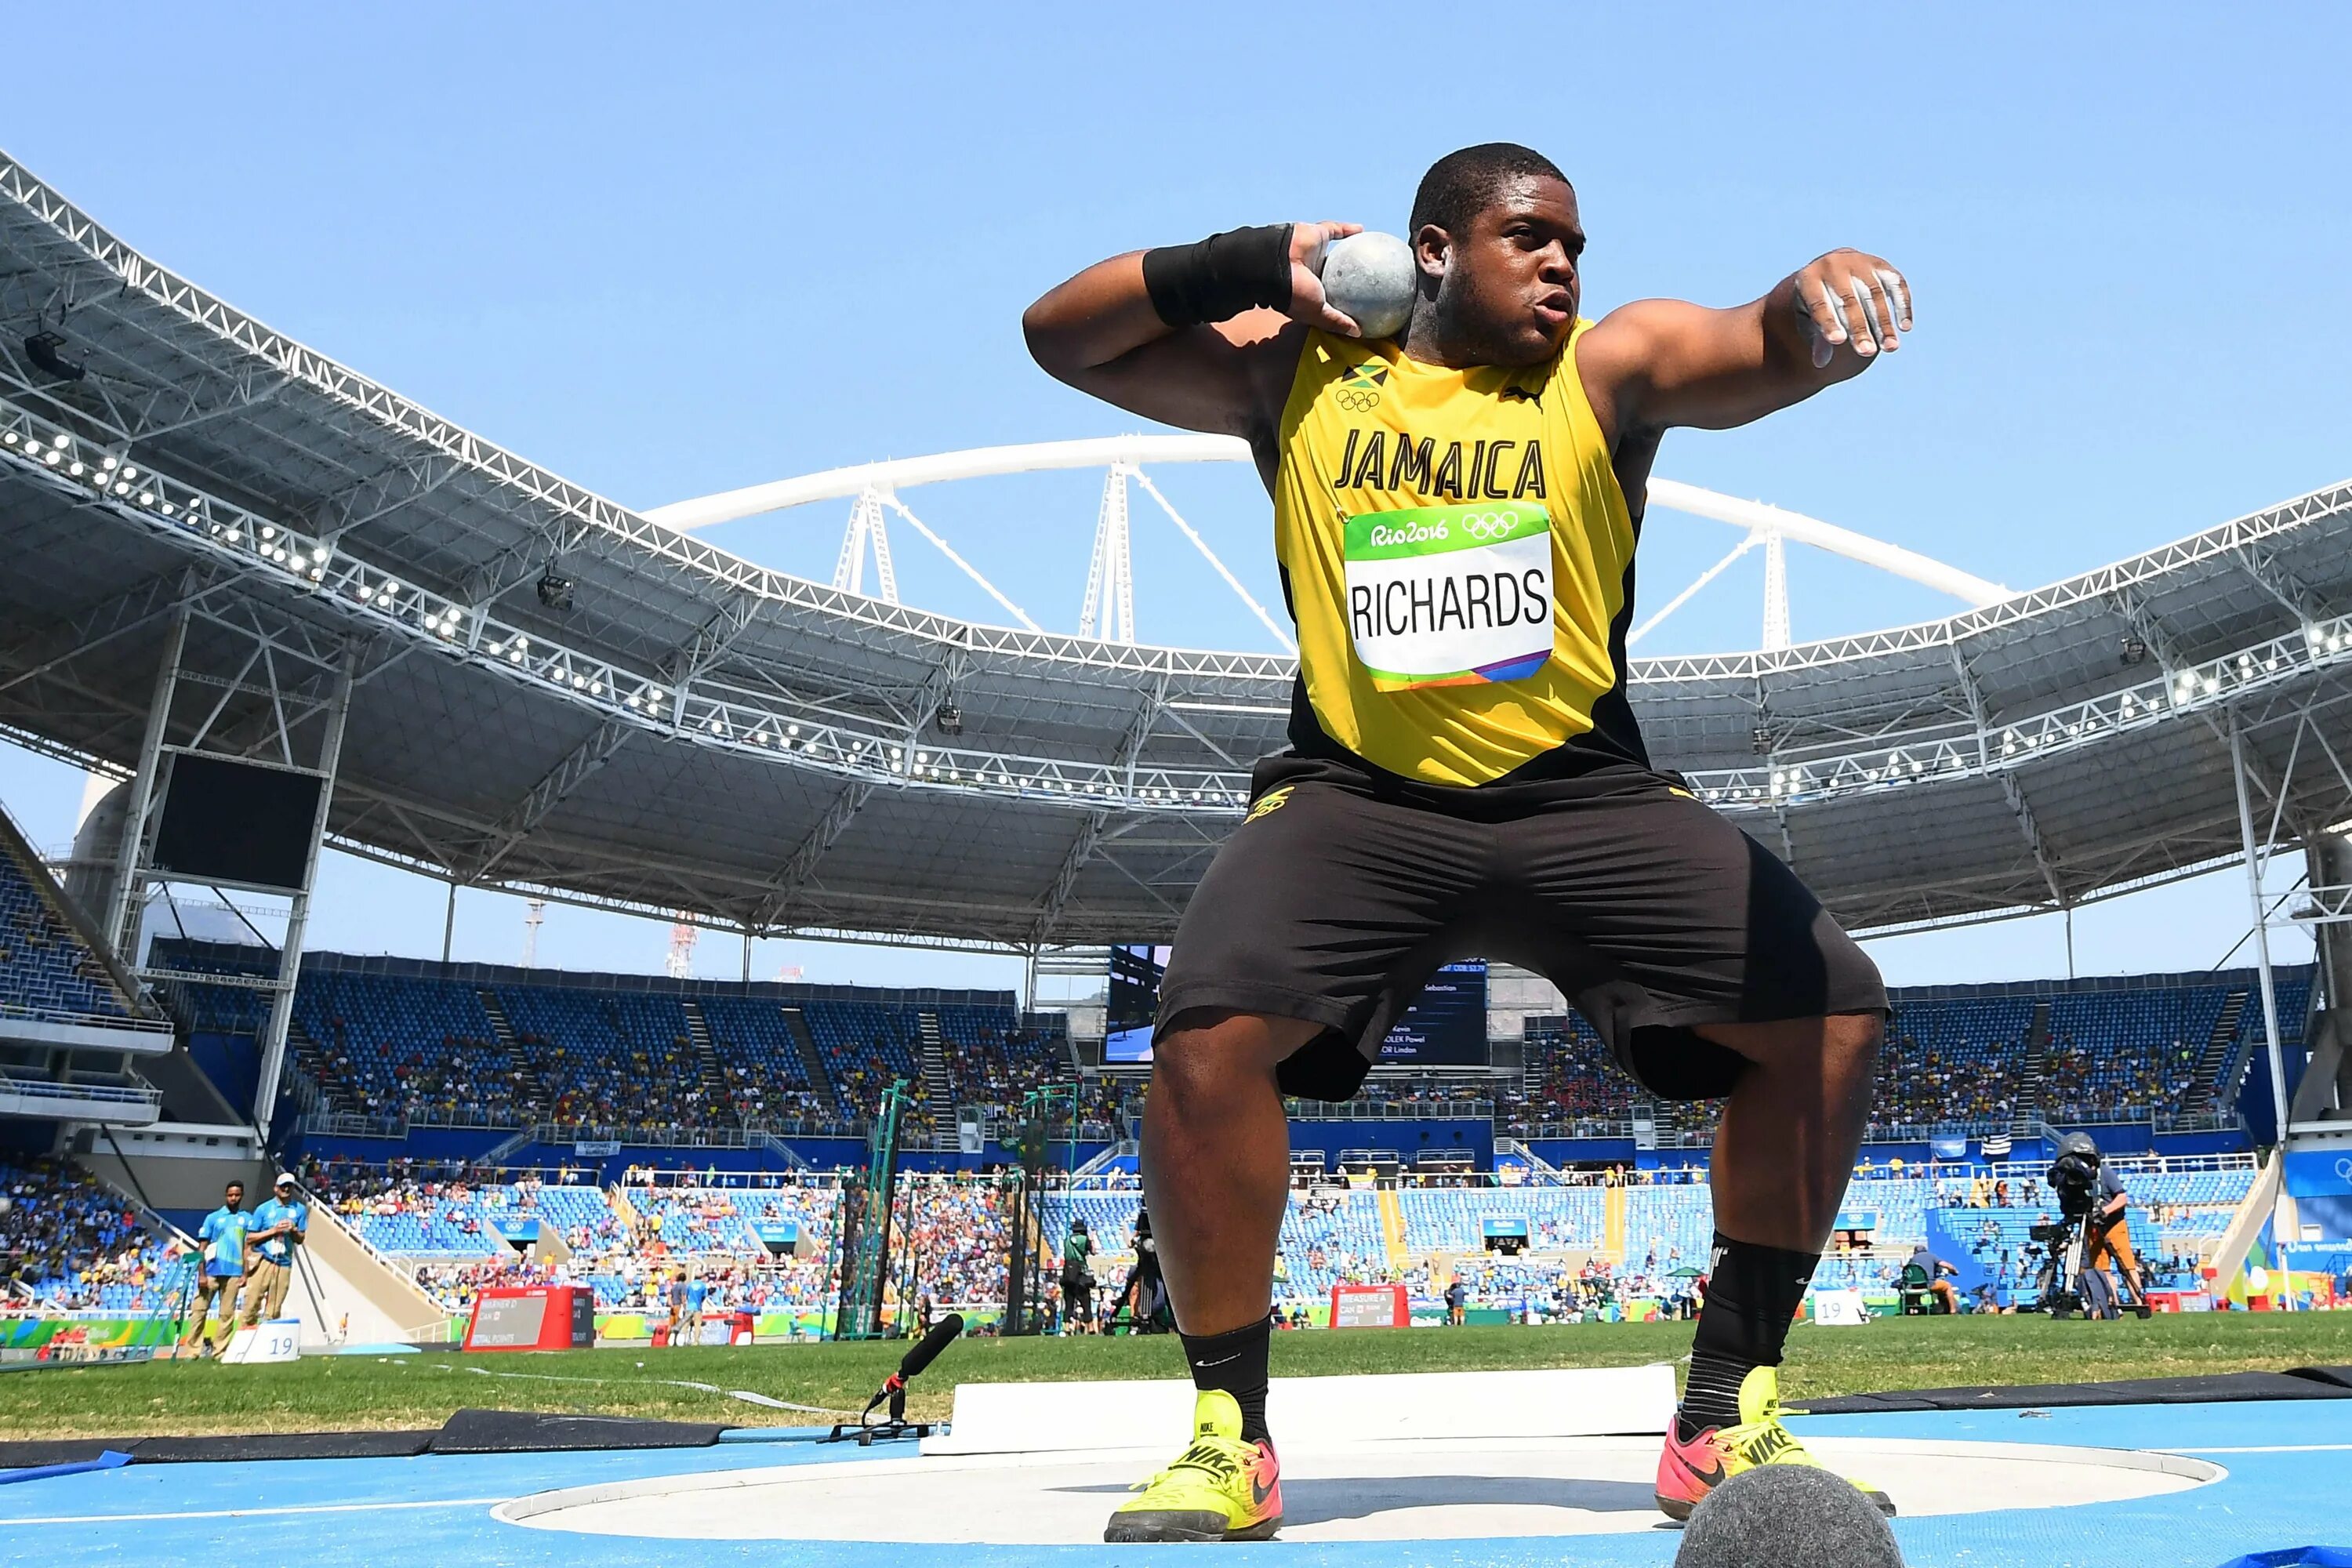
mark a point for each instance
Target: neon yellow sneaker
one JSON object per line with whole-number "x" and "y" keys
{"x": 1688, "y": 1471}
{"x": 1221, "y": 1488}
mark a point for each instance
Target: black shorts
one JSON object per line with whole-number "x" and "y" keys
{"x": 1342, "y": 891}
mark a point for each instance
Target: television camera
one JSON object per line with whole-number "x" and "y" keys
{"x": 2066, "y": 1284}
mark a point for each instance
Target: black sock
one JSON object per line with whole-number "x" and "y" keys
{"x": 1235, "y": 1362}
{"x": 1753, "y": 1296}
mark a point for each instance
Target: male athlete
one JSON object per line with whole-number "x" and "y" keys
{"x": 1456, "y": 514}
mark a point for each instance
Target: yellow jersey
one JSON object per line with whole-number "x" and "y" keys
{"x": 1459, "y": 559}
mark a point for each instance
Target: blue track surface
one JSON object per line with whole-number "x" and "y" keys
{"x": 2288, "y": 1466}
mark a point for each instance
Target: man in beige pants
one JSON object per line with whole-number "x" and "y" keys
{"x": 277, "y": 1230}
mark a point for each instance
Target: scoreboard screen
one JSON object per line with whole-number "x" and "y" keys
{"x": 510, "y": 1322}
{"x": 1444, "y": 1026}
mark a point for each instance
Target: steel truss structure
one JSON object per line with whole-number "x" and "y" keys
{"x": 556, "y": 695}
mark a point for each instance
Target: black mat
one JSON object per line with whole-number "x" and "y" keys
{"x": 220, "y": 1450}
{"x": 467, "y": 1432}
{"x": 529, "y": 1432}
{"x": 2302, "y": 1383}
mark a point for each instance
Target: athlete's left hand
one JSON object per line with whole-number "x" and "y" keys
{"x": 1850, "y": 297}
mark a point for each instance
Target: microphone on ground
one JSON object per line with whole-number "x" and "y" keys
{"x": 926, "y": 1351}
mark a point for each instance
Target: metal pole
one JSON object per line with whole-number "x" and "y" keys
{"x": 298, "y": 914}
{"x": 449, "y": 922}
{"x": 129, "y": 884}
{"x": 2262, "y": 947}
{"x": 747, "y": 955}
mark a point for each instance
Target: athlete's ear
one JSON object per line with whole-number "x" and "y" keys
{"x": 1431, "y": 248}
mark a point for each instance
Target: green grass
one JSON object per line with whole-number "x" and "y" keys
{"x": 328, "y": 1394}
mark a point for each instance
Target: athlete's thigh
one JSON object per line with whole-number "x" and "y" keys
{"x": 1692, "y": 909}
{"x": 1323, "y": 904}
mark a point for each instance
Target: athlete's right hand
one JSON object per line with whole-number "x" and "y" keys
{"x": 1307, "y": 302}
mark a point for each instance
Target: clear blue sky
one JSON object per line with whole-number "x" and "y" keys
{"x": 668, "y": 250}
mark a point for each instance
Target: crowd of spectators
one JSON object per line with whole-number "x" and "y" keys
{"x": 955, "y": 1240}
{"x": 67, "y": 1240}
{"x": 2110, "y": 1082}
{"x": 1570, "y": 1080}
{"x": 1945, "y": 1082}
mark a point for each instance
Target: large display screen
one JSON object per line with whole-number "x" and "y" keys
{"x": 1132, "y": 1003}
{"x": 1446, "y": 1025}
{"x": 232, "y": 822}
{"x": 1445, "y": 1028}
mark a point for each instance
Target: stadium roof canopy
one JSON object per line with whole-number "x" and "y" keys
{"x": 698, "y": 732}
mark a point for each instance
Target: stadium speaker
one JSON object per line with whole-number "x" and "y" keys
{"x": 46, "y": 349}
{"x": 1786, "y": 1516}
{"x": 555, "y": 589}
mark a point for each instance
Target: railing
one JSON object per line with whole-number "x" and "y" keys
{"x": 1581, "y": 1127}
{"x": 125, "y": 1022}
{"x": 1393, "y": 1110}
{"x": 752, "y": 1136}
{"x": 464, "y": 1121}
{"x": 104, "y": 1093}
{"x": 343, "y": 1124}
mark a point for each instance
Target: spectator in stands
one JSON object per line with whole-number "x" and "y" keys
{"x": 222, "y": 1237}
{"x": 280, "y": 1226}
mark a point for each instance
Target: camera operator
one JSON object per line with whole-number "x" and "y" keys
{"x": 1079, "y": 1278}
{"x": 2107, "y": 1237}
{"x": 1145, "y": 1293}
{"x": 2090, "y": 1197}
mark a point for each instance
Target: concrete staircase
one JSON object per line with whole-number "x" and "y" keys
{"x": 1612, "y": 1223}
{"x": 708, "y": 1070}
{"x": 932, "y": 1057}
{"x": 2221, "y": 1048}
{"x": 812, "y": 1059}
{"x": 501, "y": 1029}
{"x": 2027, "y": 1113}
{"x": 347, "y": 1293}
{"x": 1400, "y": 1256}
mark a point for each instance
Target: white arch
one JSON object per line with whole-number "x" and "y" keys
{"x": 983, "y": 462}
{"x": 979, "y": 463}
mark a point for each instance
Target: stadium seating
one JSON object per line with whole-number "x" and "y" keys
{"x": 390, "y": 1045}
{"x": 1447, "y": 1219}
{"x": 629, "y": 1240}
{"x": 1953, "y": 1062}
{"x": 46, "y": 969}
{"x": 864, "y": 1045}
{"x": 2126, "y": 1055}
{"x": 69, "y": 1242}
{"x": 766, "y": 1079}
{"x": 993, "y": 1060}
{"x": 1569, "y": 1078}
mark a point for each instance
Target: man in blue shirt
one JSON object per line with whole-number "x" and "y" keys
{"x": 692, "y": 1294}
{"x": 220, "y": 1268}
{"x": 277, "y": 1228}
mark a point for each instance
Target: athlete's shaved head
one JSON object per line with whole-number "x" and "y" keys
{"x": 1460, "y": 184}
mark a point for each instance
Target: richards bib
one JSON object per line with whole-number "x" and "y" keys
{"x": 1450, "y": 595}
{"x": 1460, "y": 562}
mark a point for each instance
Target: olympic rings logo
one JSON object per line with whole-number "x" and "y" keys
{"x": 2344, "y": 1167}
{"x": 1485, "y": 525}
{"x": 1358, "y": 400}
